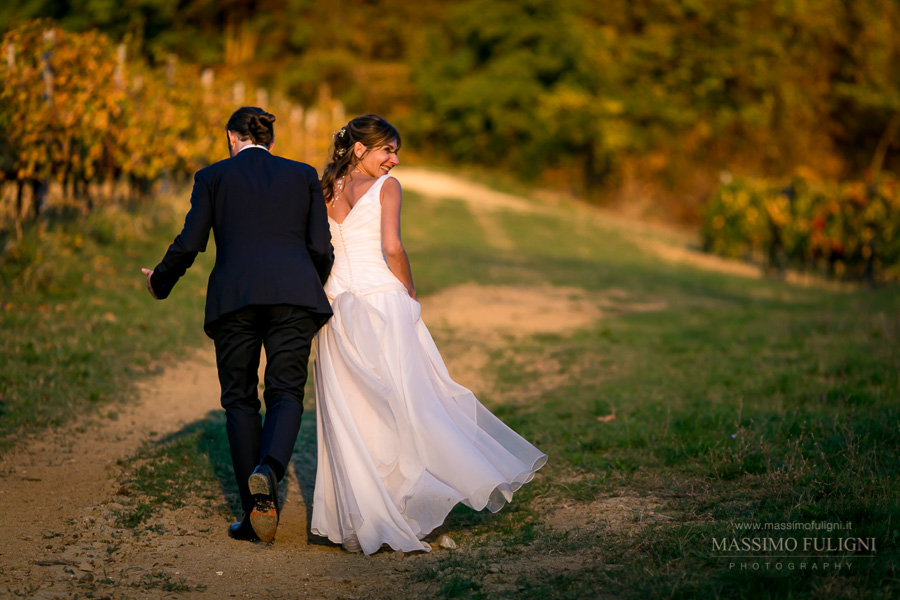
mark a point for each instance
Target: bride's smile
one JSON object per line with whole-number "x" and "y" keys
{"x": 380, "y": 160}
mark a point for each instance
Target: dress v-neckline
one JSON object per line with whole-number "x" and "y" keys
{"x": 358, "y": 201}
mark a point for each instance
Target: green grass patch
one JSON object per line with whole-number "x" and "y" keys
{"x": 736, "y": 401}
{"x": 190, "y": 465}
{"x": 79, "y": 328}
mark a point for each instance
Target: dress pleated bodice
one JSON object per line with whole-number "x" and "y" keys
{"x": 359, "y": 264}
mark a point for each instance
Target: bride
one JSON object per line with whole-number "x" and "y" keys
{"x": 399, "y": 442}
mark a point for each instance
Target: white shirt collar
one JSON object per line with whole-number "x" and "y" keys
{"x": 252, "y": 146}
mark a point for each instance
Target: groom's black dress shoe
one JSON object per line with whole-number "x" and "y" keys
{"x": 242, "y": 530}
{"x": 264, "y": 516}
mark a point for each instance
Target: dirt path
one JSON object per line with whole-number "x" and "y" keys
{"x": 447, "y": 187}
{"x": 482, "y": 202}
{"x": 664, "y": 241}
{"x": 60, "y": 495}
{"x": 59, "y": 509}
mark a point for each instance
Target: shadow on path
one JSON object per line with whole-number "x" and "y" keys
{"x": 211, "y": 442}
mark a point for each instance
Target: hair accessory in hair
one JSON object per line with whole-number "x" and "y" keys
{"x": 340, "y": 152}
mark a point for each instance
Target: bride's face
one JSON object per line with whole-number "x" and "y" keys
{"x": 380, "y": 159}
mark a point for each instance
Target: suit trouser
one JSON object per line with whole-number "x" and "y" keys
{"x": 286, "y": 333}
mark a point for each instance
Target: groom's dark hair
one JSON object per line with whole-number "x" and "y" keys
{"x": 252, "y": 123}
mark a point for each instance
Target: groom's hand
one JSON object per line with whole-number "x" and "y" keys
{"x": 148, "y": 273}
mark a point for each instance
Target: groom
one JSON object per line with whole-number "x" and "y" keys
{"x": 273, "y": 253}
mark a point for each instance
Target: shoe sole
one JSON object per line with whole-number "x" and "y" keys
{"x": 264, "y": 522}
{"x": 264, "y": 516}
{"x": 259, "y": 485}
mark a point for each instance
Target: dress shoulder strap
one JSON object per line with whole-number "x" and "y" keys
{"x": 376, "y": 187}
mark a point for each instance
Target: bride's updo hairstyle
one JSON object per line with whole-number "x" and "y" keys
{"x": 252, "y": 123}
{"x": 369, "y": 130}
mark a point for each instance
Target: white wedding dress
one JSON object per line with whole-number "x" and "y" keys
{"x": 399, "y": 442}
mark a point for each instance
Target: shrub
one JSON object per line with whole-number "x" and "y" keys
{"x": 847, "y": 231}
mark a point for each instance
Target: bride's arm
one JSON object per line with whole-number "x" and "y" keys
{"x": 394, "y": 253}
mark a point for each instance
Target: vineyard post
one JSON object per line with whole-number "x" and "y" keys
{"x": 39, "y": 188}
{"x": 262, "y": 99}
{"x": 207, "y": 78}
{"x": 171, "y": 66}
{"x": 50, "y": 40}
{"x": 10, "y": 66}
{"x": 18, "y": 217}
{"x": 339, "y": 113}
{"x": 119, "y": 74}
{"x": 295, "y": 123}
{"x": 239, "y": 92}
{"x": 310, "y": 130}
{"x": 119, "y": 78}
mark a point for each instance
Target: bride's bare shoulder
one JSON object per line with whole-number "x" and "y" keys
{"x": 390, "y": 188}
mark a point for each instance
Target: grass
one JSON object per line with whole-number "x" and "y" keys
{"x": 736, "y": 401}
{"x": 79, "y": 328}
{"x": 186, "y": 466}
{"x": 165, "y": 583}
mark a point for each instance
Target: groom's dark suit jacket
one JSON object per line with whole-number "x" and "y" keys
{"x": 273, "y": 245}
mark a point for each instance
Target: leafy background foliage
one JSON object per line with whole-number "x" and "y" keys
{"x": 587, "y": 86}
{"x": 642, "y": 104}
